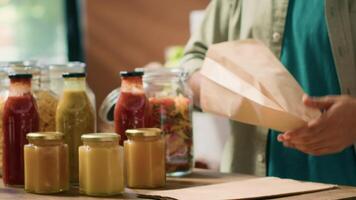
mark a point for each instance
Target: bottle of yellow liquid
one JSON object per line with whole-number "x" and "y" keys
{"x": 101, "y": 165}
{"x": 74, "y": 117}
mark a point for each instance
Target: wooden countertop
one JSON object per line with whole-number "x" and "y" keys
{"x": 198, "y": 178}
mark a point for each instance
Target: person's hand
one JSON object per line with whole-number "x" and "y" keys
{"x": 332, "y": 132}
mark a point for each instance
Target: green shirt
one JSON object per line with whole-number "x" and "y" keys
{"x": 307, "y": 55}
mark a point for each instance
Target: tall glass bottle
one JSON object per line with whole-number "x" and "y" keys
{"x": 132, "y": 107}
{"x": 19, "y": 118}
{"x": 74, "y": 117}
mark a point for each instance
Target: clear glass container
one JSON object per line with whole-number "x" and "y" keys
{"x": 106, "y": 111}
{"x": 27, "y": 67}
{"x": 101, "y": 165}
{"x": 47, "y": 101}
{"x": 145, "y": 158}
{"x": 46, "y": 163}
{"x": 20, "y": 116}
{"x": 74, "y": 117}
{"x": 171, "y": 108}
{"x": 57, "y": 83}
{"x": 46, "y": 98}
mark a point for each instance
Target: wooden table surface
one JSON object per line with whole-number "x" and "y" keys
{"x": 198, "y": 178}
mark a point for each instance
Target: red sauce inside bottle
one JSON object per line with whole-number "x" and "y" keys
{"x": 130, "y": 112}
{"x": 132, "y": 107}
{"x": 20, "y": 117}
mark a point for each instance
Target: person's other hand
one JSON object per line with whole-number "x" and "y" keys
{"x": 331, "y": 133}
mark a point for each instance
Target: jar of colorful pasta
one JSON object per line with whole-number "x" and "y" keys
{"x": 171, "y": 106}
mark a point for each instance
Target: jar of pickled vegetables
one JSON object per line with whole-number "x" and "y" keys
{"x": 46, "y": 163}
{"x": 170, "y": 100}
{"x": 145, "y": 158}
{"x": 101, "y": 165}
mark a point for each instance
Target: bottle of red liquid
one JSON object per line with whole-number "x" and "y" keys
{"x": 132, "y": 107}
{"x": 20, "y": 117}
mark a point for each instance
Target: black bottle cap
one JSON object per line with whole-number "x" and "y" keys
{"x": 131, "y": 73}
{"x": 13, "y": 75}
{"x": 73, "y": 75}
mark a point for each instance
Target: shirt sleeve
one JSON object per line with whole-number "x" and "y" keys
{"x": 214, "y": 29}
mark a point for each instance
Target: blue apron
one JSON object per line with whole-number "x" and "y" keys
{"x": 306, "y": 53}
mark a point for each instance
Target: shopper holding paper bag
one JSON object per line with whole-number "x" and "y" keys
{"x": 316, "y": 42}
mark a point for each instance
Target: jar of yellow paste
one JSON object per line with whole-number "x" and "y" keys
{"x": 145, "y": 158}
{"x": 101, "y": 165}
{"x": 46, "y": 163}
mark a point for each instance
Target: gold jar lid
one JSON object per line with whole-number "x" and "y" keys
{"x": 45, "y": 136}
{"x": 144, "y": 132}
{"x": 101, "y": 137}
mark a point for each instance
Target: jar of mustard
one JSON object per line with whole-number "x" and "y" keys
{"x": 101, "y": 165}
{"x": 145, "y": 158}
{"x": 46, "y": 163}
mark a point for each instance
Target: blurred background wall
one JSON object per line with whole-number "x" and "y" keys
{"x": 125, "y": 34}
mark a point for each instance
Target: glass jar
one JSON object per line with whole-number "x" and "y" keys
{"x": 4, "y": 91}
{"x": 145, "y": 158}
{"x": 132, "y": 108}
{"x": 27, "y": 67}
{"x": 171, "y": 106}
{"x": 106, "y": 111}
{"x": 74, "y": 117}
{"x": 57, "y": 83}
{"x": 46, "y": 163}
{"x": 47, "y": 102}
{"x": 20, "y": 117}
{"x": 46, "y": 99}
{"x": 101, "y": 165}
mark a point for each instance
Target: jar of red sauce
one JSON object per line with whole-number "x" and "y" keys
{"x": 20, "y": 117}
{"x": 132, "y": 107}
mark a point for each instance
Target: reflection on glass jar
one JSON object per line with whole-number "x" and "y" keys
{"x": 171, "y": 110}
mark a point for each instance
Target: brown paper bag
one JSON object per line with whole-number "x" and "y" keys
{"x": 264, "y": 187}
{"x": 246, "y": 82}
